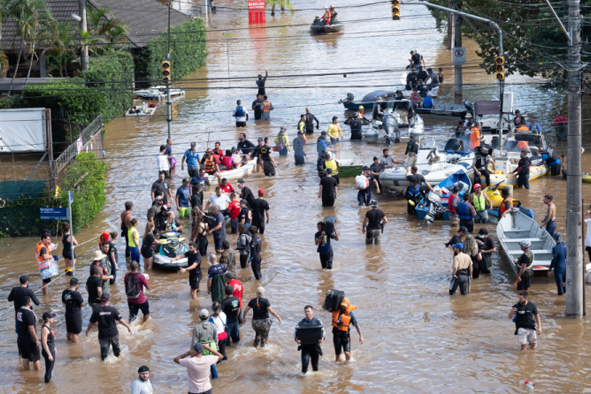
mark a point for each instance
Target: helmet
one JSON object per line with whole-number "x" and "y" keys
{"x": 373, "y": 203}
{"x": 525, "y": 243}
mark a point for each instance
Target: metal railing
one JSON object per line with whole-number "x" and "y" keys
{"x": 71, "y": 151}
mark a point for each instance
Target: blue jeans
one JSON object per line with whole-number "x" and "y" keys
{"x": 523, "y": 180}
{"x": 214, "y": 371}
{"x": 234, "y": 225}
{"x": 135, "y": 254}
{"x": 234, "y": 331}
{"x": 551, "y": 227}
{"x": 113, "y": 272}
{"x": 481, "y": 217}
{"x": 363, "y": 198}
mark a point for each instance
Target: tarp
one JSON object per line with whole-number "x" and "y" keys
{"x": 22, "y": 130}
{"x": 486, "y": 108}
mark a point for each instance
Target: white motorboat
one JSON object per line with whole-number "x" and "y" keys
{"x": 141, "y": 110}
{"x": 435, "y": 166}
{"x": 515, "y": 227}
{"x": 159, "y": 92}
{"x": 236, "y": 173}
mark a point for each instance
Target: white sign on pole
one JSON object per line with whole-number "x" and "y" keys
{"x": 459, "y": 56}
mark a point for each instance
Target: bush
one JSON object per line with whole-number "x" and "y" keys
{"x": 86, "y": 176}
{"x": 187, "y": 53}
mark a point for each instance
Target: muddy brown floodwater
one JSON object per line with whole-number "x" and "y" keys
{"x": 418, "y": 339}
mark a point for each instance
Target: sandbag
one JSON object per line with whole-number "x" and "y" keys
{"x": 333, "y": 300}
{"x": 361, "y": 182}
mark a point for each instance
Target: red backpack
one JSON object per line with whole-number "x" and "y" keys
{"x": 104, "y": 238}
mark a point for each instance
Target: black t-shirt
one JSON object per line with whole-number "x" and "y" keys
{"x": 265, "y": 153}
{"x": 196, "y": 200}
{"x": 26, "y": 318}
{"x": 523, "y": 166}
{"x": 245, "y": 146}
{"x": 113, "y": 248}
{"x": 328, "y": 187}
{"x": 487, "y": 244}
{"x": 259, "y": 207}
{"x": 374, "y": 217}
{"x": 231, "y": 307}
{"x": 525, "y": 315}
{"x": 377, "y": 168}
{"x": 422, "y": 75}
{"x": 163, "y": 187}
{"x": 259, "y": 309}
{"x": 370, "y": 179}
{"x": 454, "y": 240}
{"x": 148, "y": 241}
{"x": 416, "y": 58}
{"x": 17, "y": 295}
{"x": 93, "y": 283}
{"x": 73, "y": 300}
{"x": 416, "y": 179}
{"x": 107, "y": 318}
{"x": 244, "y": 214}
{"x": 192, "y": 259}
{"x": 248, "y": 196}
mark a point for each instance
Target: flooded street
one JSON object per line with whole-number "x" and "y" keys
{"x": 418, "y": 339}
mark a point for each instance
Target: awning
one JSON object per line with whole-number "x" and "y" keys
{"x": 486, "y": 108}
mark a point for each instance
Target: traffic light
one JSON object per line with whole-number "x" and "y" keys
{"x": 166, "y": 72}
{"x": 396, "y": 10}
{"x": 500, "y": 68}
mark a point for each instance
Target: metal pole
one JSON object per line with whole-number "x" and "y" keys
{"x": 70, "y": 198}
{"x": 168, "y": 102}
{"x": 450, "y": 27}
{"x": 583, "y": 257}
{"x": 574, "y": 288}
{"x": 458, "y": 94}
{"x": 84, "y": 29}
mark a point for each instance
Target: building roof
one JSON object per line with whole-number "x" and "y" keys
{"x": 145, "y": 19}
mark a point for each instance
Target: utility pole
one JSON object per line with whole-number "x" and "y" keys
{"x": 458, "y": 95}
{"x": 574, "y": 260}
{"x": 168, "y": 102}
{"x": 83, "y": 29}
{"x": 450, "y": 26}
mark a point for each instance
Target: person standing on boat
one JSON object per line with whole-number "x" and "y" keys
{"x": 522, "y": 170}
{"x": 558, "y": 264}
{"x": 461, "y": 270}
{"x": 475, "y": 136}
{"x": 480, "y": 201}
{"x": 480, "y": 164}
{"x": 298, "y": 144}
{"x": 310, "y": 119}
{"x": 466, "y": 213}
{"x": 356, "y": 122}
{"x": 412, "y": 150}
{"x": 261, "y": 83}
{"x": 534, "y": 126}
{"x": 525, "y": 326}
{"x": 240, "y": 114}
{"x": 525, "y": 263}
{"x": 550, "y": 219}
{"x": 401, "y": 107}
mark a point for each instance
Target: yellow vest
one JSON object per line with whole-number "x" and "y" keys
{"x": 479, "y": 202}
{"x": 332, "y": 164}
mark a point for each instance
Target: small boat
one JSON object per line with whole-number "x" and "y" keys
{"x": 245, "y": 169}
{"x": 393, "y": 131}
{"x": 322, "y": 29}
{"x": 517, "y": 226}
{"x": 506, "y": 165}
{"x": 443, "y": 110}
{"x": 367, "y": 101}
{"x": 443, "y": 190}
{"x": 586, "y": 176}
{"x": 159, "y": 92}
{"x": 163, "y": 257}
{"x": 351, "y": 164}
{"x": 142, "y": 110}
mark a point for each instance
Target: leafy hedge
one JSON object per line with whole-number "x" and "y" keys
{"x": 86, "y": 176}
{"x": 187, "y": 53}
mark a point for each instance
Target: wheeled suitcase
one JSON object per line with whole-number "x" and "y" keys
{"x": 333, "y": 300}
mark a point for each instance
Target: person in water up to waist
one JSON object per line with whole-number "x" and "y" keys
{"x": 310, "y": 350}
{"x": 461, "y": 270}
{"x": 261, "y": 84}
{"x": 267, "y": 108}
{"x": 480, "y": 202}
{"x": 356, "y": 123}
{"x": 550, "y": 219}
{"x": 334, "y": 130}
{"x": 466, "y": 213}
{"x": 342, "y": 320}
{"x": 551, "y": 158}
{"x": 334, "y": 165}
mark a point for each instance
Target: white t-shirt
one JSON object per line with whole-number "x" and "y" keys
{"x": 219, "y": 322}
{"x": 140, "y": 387}
{"x": 588, "y": 236}
{"x": 163, "y": 164}
{"x": 222, "y": 201}
{"x": 198, "y": 371}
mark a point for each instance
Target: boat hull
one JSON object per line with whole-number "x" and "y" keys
{"x": 338, "y": 27}
{"x": 511, "y": 179}
{"x": 240, "y": 172}
{"x": 396, "y": 179}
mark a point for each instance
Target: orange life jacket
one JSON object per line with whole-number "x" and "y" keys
{"x": 522, "y": 145}
{"x": 523, "y": 128}
{"x": 503, "y": 209}
{"x": 345, "y": 318}
{"x": 42, "y": 263}
{"x": 326, "y": 17}
{"x": 209, "y": 165}
{"x": 266, "y": 106}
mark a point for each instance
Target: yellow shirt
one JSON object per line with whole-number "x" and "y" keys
{"x": 334, "y": 130}
{"x": 284, "y": 140}
{"x": 332, "y": 164}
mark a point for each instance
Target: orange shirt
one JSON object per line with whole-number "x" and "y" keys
{"x": 474, "y": 138}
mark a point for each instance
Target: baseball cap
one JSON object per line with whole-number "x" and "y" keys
{"x": 458, "y": 246}
{"x": 73, "y": 281}
{"x": 105, "y": 297}
{"x": 144, "y": 368}
{"x": 193, "y": 144}
{"x": 243, "y": 202}
{"x": 365, "y": 168}
{"x": 463, "y": 229}
{"x": 203, "y": 313}
{"x": 230, "y": 275}
{"x": 345, "y": 302}
{"x": 48, "y": 315}
{"x": 323, "y": 132}
{"x": 477, "y": 185}
{"x": 23, "y": 279}
{"x": 261, "y": 192}
{"x": 483, "y": 231}
{"x": 260, "y": 139}
{"x": 185, "y": 180}
{"x": 165, "y": 207}
{"x": 240, "y": 180}
{"x": 198, "y": 347}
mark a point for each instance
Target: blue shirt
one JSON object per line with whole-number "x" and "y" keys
{"x": 197, "y": 180}
{"x": 534, "y": 127}
{"x": 427, "y": 102}
{"x": 324, "y": 247}
{"x": 320, "y": 146}
{"x": 184, "y": 194}
{"x": 192, "y": 158}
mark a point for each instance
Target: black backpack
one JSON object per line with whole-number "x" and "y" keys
{"x": 132, "y": 286}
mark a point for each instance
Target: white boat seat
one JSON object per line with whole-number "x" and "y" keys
{"x": 536, "y": 252}
{"x": 521, "y": 239}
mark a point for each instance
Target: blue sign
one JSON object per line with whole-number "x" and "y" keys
{"x": 53, "y": 213}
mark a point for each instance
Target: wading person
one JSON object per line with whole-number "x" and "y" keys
{"x": 134, "y": 289}
{"x": 310, "y": 351}
{"x": 48, "y": 344}
{"x": 466, "y": 213}
{"x": 74, "y": 302}
{"x": 192, "y": 157}
{"x": 261, "y": 322}
{"x": 69, "y": 255}
{"x": 558, "y": 264}
{"x": 218, "y": 230}
{"x": 261, "y": 83}
{"x": 461, "y": 270}
{"x": 255, "y": 252}
{"x": 28, "y": 341}
{"x": 324, "y": 247}
{"x": 106, "y": 317}
{"x": 550, "y": 219}
{"x": 328, "y": 189}
{"x": 142, "y": 384}
{"x": 45, "y": 260}
{"x": 216, "y": 279}
{"x": 219, "y": 320}
{"x": 243, "y": 245}
{"x": 18, "y": 294}
{"x": 342, "y": 320}
{"x": 487, "y": 247}
{"x": 373, "y": 224}
{"x": 525, "y": 322}
{"x": 310, "y": 119}
{"x": 205, "y": 333}
{"x": 260, "y": 211}
{"x": 525, "y": 263}
{"x": 480, "y": 201}
{"x": 298, "y": 144}
{"x": 193, "y": 266}
{"x": 94, "y": 287}
{"x": 198, "y": 367}
{"x": 231, "y": 307}
{"x": 133, "y": 241}
{"x": 364, "y": 195}
{"x": 240, "y": 114}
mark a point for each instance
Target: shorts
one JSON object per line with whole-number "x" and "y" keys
{"x": 68, "y": 254}
{"x": 210, "y": 172}
{"x": 194, "y": 280}
{"x": 217, "y": 242}
{"x": 147, "y": 252}
{"x": 184, "y": 212}
{"x": 525, "y": 335}
{"x": 525, "y": 283}
{"x": 412, "y": 160}
{"x": 73, "y": 323}
{"x": 341, "y": 341}
{"x": 240, "y": 124}
{"x": 46, "y": 280}
{"x": 134, "y": 308}
{"x": 30, "y": 352}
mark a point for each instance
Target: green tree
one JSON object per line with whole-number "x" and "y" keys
{"x": 59, "y": 42}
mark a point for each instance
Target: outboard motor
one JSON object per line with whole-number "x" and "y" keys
{"x": 454, "y": 144}
{"x": 391, "y": 128}
{"x": 350, "y": 97}
{"x": 434, "y": 206}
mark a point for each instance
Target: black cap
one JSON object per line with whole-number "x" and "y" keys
{"x": 230, "y": 275}
{"x": 329, "y": 170}
{"x": 483, "y": 231}
{"x": 23, "y": 279}
{"x": 323, "y": 132}
{"x": 243, "y": 202}
{"x": 240, "y": 180}
{"x": 365, "y": 168}
{"x": 260, "y": 139}
{"x": 143, "y": 368}
{"x": 48, "y": 315}
{"x": 105, "y": 297}
{"x": 224, "y": 180}
{"x": 463, "y": 229}
{"x": 74, "y": 281}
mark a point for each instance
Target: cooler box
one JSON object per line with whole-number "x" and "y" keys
{"x": 333, "y": 300}
{"x": 309, "y": 334}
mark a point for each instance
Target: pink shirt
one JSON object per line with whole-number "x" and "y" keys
{"x": 143, "y": 283}
{"x": 198, "y": 371}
